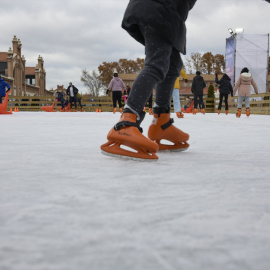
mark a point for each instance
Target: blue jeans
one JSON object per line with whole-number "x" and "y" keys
{"x": 176, "y": 100}
{"x": 241, "y": 99}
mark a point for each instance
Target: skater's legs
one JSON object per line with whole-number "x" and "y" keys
{"x": 119, "y": 98}
{"x": 201, "y": 102}
{"x": 220, "y": 101}
{"x": 195, "y": 101}
{"x": 226, "y": 102}
{"x": 114, "y": 96}
{"x": 80, "y": 102}
{"x": 176, "y": 100}
{"x": 157, "y": 64}
{"x": 240, "y": 101}
{"x": 150, "y": 101}
{"x": 247, "y": 99}
{"x": 165, "y": 88}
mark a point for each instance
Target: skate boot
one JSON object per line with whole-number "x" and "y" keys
{"x": 247, "y": 112}
{"x": 179, "y": 114}
{"x": 150, "y": 111}
{"x": 120, "y": 110}
{"x": 226, "y": 112}
{"x": 127, "y": 132}
{"x": 218, "y": 112}
{"x": 195, "y": 111}
{"x": 162, "y": 128}
{"x": 238, "y": 114}
{"x": 203, "y": 111}
{"x": 114, "y": 110}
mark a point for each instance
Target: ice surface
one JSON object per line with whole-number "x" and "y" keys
{"x": 65, "y": 206}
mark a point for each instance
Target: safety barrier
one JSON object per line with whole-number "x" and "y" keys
{"x": 259, "y": 104}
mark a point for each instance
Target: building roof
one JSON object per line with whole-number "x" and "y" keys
{"x": 3, "y": 56}
{"x": 30, "y": 70}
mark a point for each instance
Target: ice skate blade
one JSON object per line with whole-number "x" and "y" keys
{"x": 127, "y": 157}
{"x": 174, "y": 150}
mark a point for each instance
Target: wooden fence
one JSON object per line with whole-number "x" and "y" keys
{"x": 259, "y": 104}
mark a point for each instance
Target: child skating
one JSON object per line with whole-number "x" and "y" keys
{"x": 160, "y": 27}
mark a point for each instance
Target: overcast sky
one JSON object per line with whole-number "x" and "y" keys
{"x": 72, "y": 35}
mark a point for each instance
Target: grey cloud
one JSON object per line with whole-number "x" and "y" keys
{"x": 75, "y": 34}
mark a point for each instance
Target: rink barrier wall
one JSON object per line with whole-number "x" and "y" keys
{"x": 259, "y": 104}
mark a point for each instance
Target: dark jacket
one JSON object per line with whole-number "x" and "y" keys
{"x": 225, "y": 86}
{"x": 166, "y": 17}
{"x": 75, "y": 91}
{"x": 3, "y": 86}
{"x": 60, "y": 97}
{"x": 198, "y": 84}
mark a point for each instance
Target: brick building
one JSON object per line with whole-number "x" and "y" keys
{"x": 24, "y": 81}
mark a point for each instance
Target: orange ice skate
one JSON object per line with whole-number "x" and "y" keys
{"x": 226, "y": 112}
{"x": 150, "y": 111}
{"x": 218, "y": 112}
{"x": 114, "y": 110}
{"x": 162, "y": 128}
{"x": 195, "y": 111}
{"x": 238, "y": 114}
{"x": 128, "y": 133}
{"x": 179, "y": 114}
{"x": 247, "y": 112}
{"x": 120, "y": 110}
{"x": 203, "y": 110}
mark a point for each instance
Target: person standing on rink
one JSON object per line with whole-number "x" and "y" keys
{"x": 117, "y": 86}
{"x": 225, "y": 88}
{"x": 72, "y": 91}
{"x": 176, "y": 96}
{"x": 198, "y": 84}
{"x": 243, "y": 86}
{"x": 160, "y": 26}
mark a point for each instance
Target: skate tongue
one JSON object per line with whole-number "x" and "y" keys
{"x": 122, "y": 124}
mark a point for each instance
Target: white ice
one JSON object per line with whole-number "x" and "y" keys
{"x": 65, "y": 206}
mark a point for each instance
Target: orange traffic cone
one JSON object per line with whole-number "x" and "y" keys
{"x": 96, "y": 110}
{"x": 11, "y": 110}
{"x": 99, "y": 110}
{"x": 17, "y": 109}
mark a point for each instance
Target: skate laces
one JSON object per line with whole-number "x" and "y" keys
{"x": 122, "y": 124}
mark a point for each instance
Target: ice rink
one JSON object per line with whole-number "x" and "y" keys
{"x": 65, "y": 206}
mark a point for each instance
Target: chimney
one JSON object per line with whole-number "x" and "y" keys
{"x": 15, "y": 45}
{"x": 40, "y": 62}
{"x": 23, "y": 60}
{"x": 19, "y": 50}
{"x": 10, "y": 64}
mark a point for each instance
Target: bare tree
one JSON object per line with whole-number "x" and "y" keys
{"x": 194, "y": 62}
{"x": 188, "y": 65}
{"x": 92, "y": 82}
